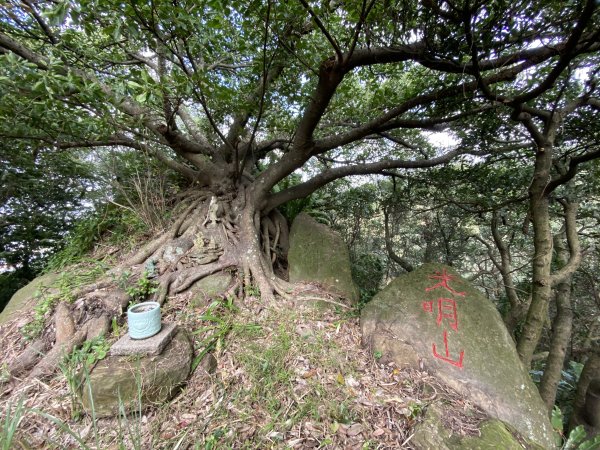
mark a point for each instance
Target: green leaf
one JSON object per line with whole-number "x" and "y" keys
{"x": 557, "y": 419}
{"x": 575, "y": 437}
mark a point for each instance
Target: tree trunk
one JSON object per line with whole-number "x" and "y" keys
{"x": 541, "y": 288}
{"x": 590, "y": 372}
{"x": 561, "y": 330}
{"x": 514, "y": 314}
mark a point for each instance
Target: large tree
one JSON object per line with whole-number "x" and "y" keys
{"x": 237, "y": 96}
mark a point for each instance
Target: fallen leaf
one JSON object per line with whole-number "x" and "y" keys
{"x": 378, "y": 432}
{"x": 335, "y": 427}
{"x": 309, "y": 374}
{"x": 354, "y": 429}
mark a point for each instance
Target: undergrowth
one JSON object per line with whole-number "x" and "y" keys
{"x": 109, "y": 226}
{"x": 47, "y": 297}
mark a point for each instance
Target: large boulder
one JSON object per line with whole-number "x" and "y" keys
{"x": 26, "y": 297}
{"x": 118, "y": 381}
{"x": 210, "y": 287}
{"x": 432, "y": 433}
{"x": 319, "y": 254}
{"x": 433, "y": 318}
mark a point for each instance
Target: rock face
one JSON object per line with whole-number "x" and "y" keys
{"x": 319, "y": 254}
{"x": 209, "y": 287}
{"x": 434, "y": 318}
{"x": 25, "y": 298}
{"x": 493, "y": 434}
{"x": 118, "y": 379}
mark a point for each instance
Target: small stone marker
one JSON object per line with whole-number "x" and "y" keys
{"x": 153, "y": 345}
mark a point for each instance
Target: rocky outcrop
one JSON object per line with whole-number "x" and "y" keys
{"x": 26, "y": 297}
{"x": 319, "y": 254}
{"x": 210, "y": 287}
{"x": 432, "y": 318}
{"x": 117, "y": 382}
{"x": 432, "y": 433}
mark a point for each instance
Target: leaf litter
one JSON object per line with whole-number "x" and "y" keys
{"x": 289, "y": 375}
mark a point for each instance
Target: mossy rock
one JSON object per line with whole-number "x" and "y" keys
{"x": 26, "y": 298}
{"x": 119, "y": 381}
{"x": 457, "y": 334}
{"x": 319, "y": 254}
{"x": 493, "y": 434}
{"x": 210, "y": 287}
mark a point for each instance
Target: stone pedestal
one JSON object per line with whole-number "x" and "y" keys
{"x": 151, "y": 369}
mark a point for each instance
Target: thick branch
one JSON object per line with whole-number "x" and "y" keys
{"x": 572, "y": 264}
{"x": 402, "y": 262}
{"x": 308, "y": 187}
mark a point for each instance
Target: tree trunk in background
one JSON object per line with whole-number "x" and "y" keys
{"x": 561, "y": 330}
{"x": 590, "y": 372}
{"x": 541, "y": 288}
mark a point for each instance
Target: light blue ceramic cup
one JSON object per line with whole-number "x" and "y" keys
{"x": 143, "y": 320}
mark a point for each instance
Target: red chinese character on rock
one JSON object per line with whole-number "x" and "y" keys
{"x": 446, "y": 357}
{"x": 444, "y": 277}
{"x": 446, "y": 308}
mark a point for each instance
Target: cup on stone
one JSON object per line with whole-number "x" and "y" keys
{"x": 143, "y": 320}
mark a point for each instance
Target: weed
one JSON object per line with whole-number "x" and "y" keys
{"x": 251, "y": 291}
{"x": 77, "y": 365}
{"x": 142, "y": 288}
{"x": 61, "y": 290}
{"x": 377, "y": 354}
{"x": 8, "y": 427}
{"x": 219, "y": 318}
{"x": 132, "y": 432}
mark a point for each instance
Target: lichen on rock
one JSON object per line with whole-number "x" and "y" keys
{"x": 432, "y": 318}
{"x": 319, "y": 254}
{"x": 126, "y": 381}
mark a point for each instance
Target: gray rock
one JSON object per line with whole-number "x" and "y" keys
{"x": 434, "y": 318}
{"x": 153, "y": 345}
{"x": 26, "y": 298}
{"x": 178, "y": 247}
{"x": 210, "y": 287}
{"x": 117, "y": 381}
{"x": 493, "y": 434}
{"x": 319, "y": 254}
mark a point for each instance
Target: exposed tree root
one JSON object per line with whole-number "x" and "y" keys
{"x": 322, "y": 299}
{"x": 28, "y": 358}
{"x": 252, "y": 244}
{"x": 51, "y": 360}
{"x": 185, "y": 280}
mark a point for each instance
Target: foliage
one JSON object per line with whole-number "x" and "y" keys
{"x": 367, "y": 272}
{"x": 576, "y": 439}
{"x": 567, "y": 388}
{"x": 77, "y": 365}
{"x": 10, "y": 423}
{"x": 41, "y": 194}
{"x": 109, "y": 224}
{"x": 142, "y": 288}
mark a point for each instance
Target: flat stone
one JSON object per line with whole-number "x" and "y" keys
{"x": 153, "y": 345}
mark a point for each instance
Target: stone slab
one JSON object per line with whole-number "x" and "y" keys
{"x": 153, "y": 345}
